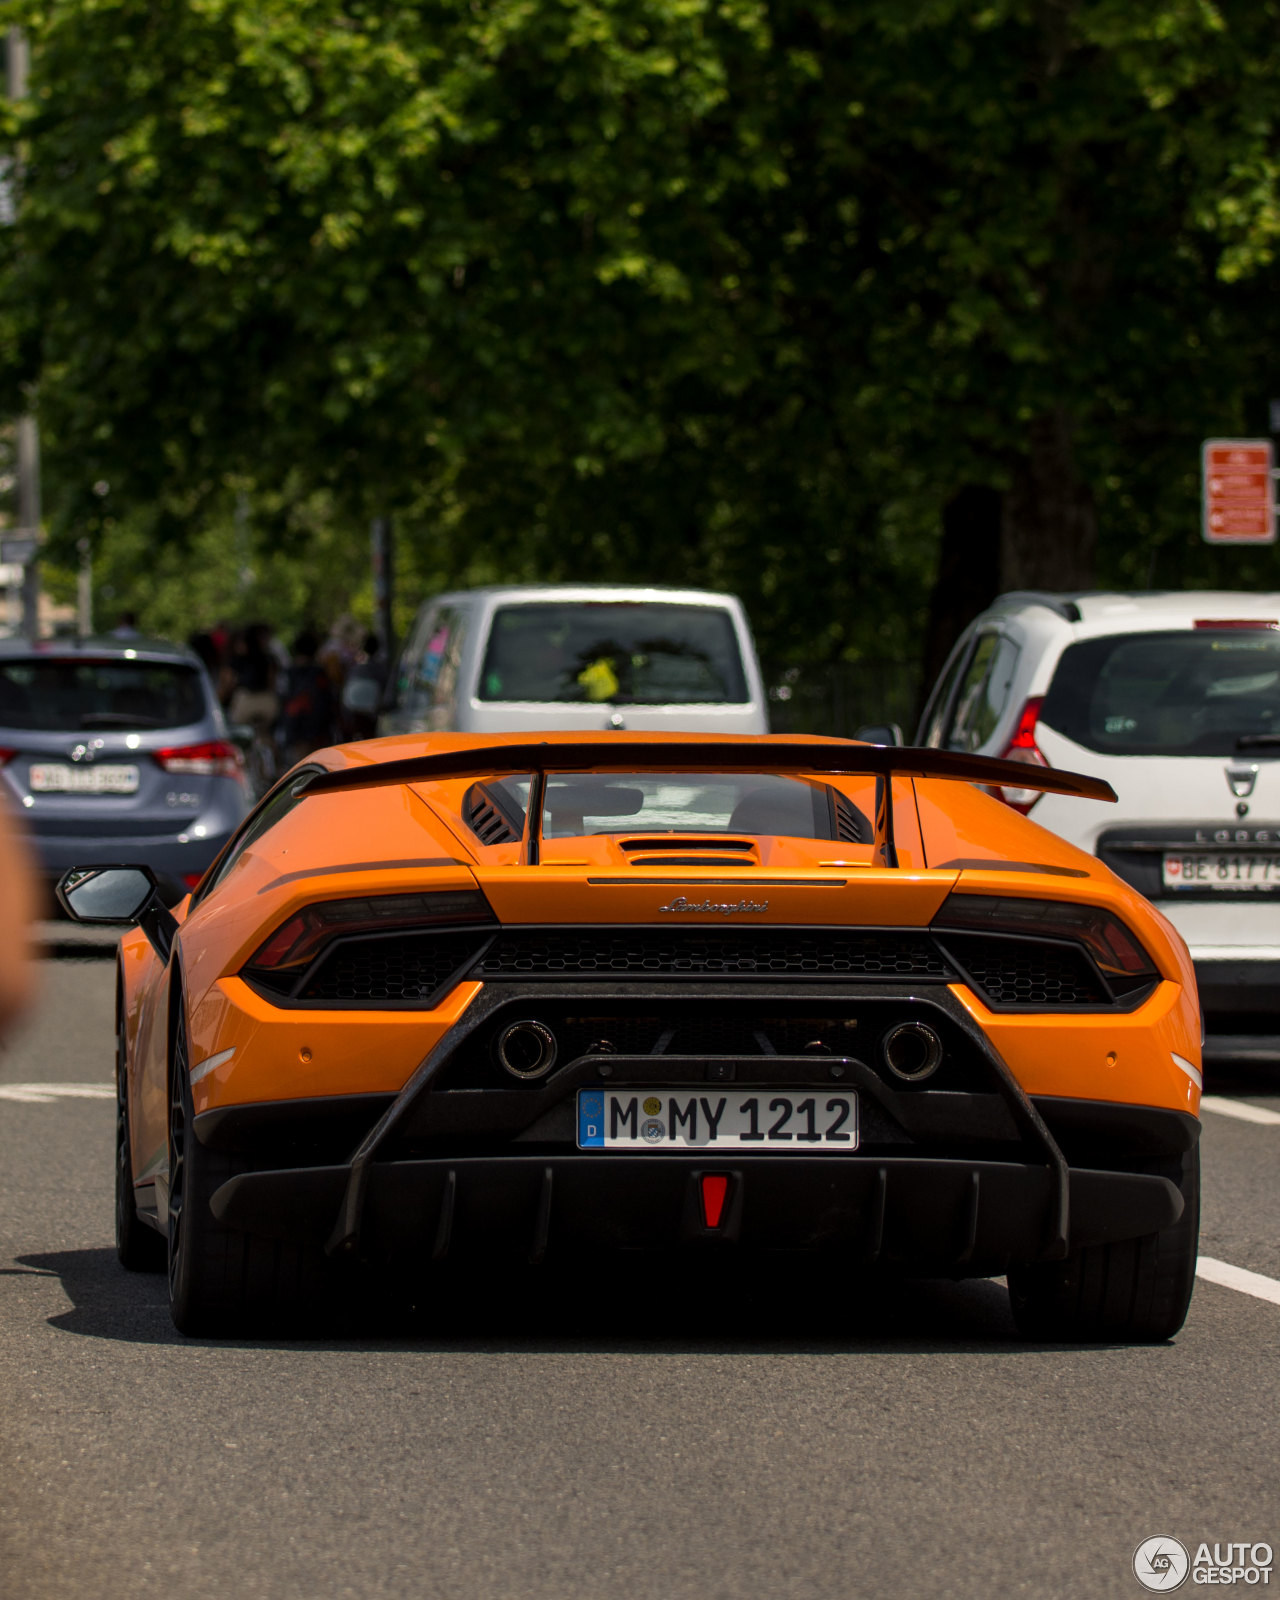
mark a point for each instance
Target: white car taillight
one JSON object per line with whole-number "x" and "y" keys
{"x": 214, "y": 759}
{"x": 1023, "y": 747}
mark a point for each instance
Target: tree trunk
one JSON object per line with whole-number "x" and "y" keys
{"x": 968, "y": 577}
{"x": 1050, "y": 533}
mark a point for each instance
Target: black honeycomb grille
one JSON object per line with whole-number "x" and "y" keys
{"x": 708, "y": 953}
{"x": 1017, "y": 972}
{"x": 406, "y": 967}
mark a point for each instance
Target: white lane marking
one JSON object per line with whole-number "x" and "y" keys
{"x": 1189, "y": 1067}
{"x": 1238, "y": 1278}
{"x": 44, "y": 1094}
{"x": 211, "y": 1064}
{"x": 1240, "y": 1109}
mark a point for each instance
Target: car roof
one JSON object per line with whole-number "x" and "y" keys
{"x": 517, "y": 593}
{"x": 1145, "y": 609}
{"x": 139, "y": 648}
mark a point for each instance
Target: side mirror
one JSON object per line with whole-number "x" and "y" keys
{"x": 242, "y": 734}
{"x": 880, "y": 733}
{"x": 120, "y": 897}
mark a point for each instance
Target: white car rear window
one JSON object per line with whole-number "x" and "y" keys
{"x": 1210, "y": 692}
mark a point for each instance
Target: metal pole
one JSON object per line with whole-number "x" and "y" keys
{"x": 29, "y": 519}
{"x": 381, "y": 544}
{"x": 17, "y": 63}
{"x": 84, "y": 589}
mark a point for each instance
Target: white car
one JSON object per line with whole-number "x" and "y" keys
{"x": 1174, "y": 699}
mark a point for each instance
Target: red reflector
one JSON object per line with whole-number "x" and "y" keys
{"x": 192, "y": 878}
{"x": 1235, "y": 622}
{"x": 715, "y": 1186}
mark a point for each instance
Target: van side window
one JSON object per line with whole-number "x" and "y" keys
{"x": 438, "y": 669}
{"x": 984, "y": 693}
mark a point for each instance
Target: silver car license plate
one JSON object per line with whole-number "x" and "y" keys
{"x": 56, "y": 777}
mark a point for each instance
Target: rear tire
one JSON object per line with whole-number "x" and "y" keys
{"x": 222, "y": 1280}
{"x": 1134, "y": 1292}
{"x": 139, "y": 1248}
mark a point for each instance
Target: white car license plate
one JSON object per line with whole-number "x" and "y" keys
{"x": 55, "y": 777}
{"x": 1222, "y": 869}
{"x": 768, "y": 1121}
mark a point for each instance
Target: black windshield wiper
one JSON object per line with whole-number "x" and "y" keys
{"x": 1258, "y": 741}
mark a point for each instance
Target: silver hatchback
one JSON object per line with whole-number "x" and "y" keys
{"x": 116, "y": 751}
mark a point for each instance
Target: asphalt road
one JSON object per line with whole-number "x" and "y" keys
{"x": 662, "y": 1439}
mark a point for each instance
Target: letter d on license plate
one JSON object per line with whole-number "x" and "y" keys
{"x": 772, "y": 1122}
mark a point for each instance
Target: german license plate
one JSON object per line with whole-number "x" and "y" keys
{"x": 1221, "y": 869}
{"x": 797, "y": 1122}
{"x": 55, "y": 777}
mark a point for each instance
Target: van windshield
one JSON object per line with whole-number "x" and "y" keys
{"x": 1175, "y": 694}
{"x": 640, "y": 653}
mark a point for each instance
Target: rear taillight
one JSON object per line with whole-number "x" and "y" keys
{"x": 1023, "y": 747}
{"x": 296, "y": 941}
{"x": 214, "y": 759}
{"x": 1236, "y": 622}
{"x": 192, "y": 878}
{"x": 1116, "y": 949}
{"x": 6, "y": 755}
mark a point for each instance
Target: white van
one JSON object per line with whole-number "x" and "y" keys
{"x": 582, "y": 656}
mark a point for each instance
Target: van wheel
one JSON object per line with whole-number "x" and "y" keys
{"x": 1134, "y": 1292}
{"x": 222, "y": 1280}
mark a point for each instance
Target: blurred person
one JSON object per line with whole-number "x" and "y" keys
{"x": 309, "y": 704}
{"x": 338, "y": 654}
{"x": 19, "y": 906}
{"x": 363, "y": 690}
{"x": 254, "y": 700}
{"x": 127, "y": 626}
{"x": 202, "y": 644}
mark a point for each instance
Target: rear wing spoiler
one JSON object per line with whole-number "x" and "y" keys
{"x": 828, "y": 757}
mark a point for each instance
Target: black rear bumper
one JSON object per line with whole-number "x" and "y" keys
{"x": 970, "y": 1218}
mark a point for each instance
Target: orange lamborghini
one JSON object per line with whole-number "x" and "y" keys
{"x": 465, "y": 998}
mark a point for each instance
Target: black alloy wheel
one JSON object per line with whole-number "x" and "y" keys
{"x": 1135, "y": 1291}
{"x": 139, "y": 1248}
{"x": 222, "y": 1280}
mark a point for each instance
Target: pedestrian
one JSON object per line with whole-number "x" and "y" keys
{"x": 362, "y": 692}
{"x": 338, "y": 654}
{"x": 127, "y": 626}
{"x": 309, "y": 704}
{"x": 254, "y": 701}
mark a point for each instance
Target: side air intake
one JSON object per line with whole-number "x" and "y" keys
{"x": 485, "y": 820}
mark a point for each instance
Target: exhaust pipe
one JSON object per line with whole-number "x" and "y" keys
{"x": 527, "y": 1050}
{"x": 912, "y": 1051}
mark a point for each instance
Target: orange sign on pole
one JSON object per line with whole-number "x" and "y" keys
{"x": 1239, "y": 491}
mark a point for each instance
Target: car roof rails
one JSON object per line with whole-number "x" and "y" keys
{"x": 1062, "y": 605}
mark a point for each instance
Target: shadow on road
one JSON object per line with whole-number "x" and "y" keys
{"x": 663, "y": 1305}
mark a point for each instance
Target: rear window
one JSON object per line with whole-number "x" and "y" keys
{"x": 681, "y": 803}
{"x": 624, "y": 654}
{"x": 1167, "y": 694}
{"x": 67, "y": 696}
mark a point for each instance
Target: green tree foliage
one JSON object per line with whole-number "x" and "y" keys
{"x": 729, "y": 291}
